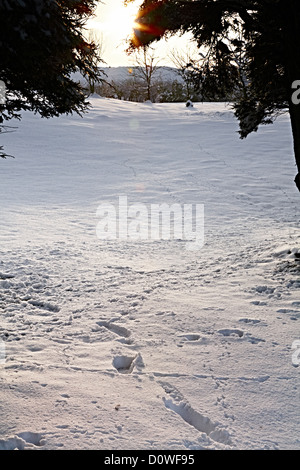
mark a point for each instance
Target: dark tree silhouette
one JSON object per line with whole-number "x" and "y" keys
{"x": 41, "y": 45}
{"x": 268, "y": 41}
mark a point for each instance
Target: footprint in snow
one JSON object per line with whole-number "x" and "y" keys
{"x": 125, "y": 364}
{"x": 177, "y": 403}
{"x": 6, "y": 276}
{"x": 117, "y": 329}
{"x": 236, "y": 333}
{"x": 249, "y": 321}
{"x": 193, "y": 339}
{"x": 45, "y": 305}
{"x": 190, "y": 337}
{"x": 231, "y": 332}
{"x": 23, "y": 440}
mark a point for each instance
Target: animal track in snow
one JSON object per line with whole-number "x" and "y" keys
{"x": 177, "y": 403}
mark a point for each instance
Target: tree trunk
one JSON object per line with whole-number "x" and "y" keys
{"x": 295, "y": 121}
{"x": 291, "y": 11}
{"x": 149, "y": 89}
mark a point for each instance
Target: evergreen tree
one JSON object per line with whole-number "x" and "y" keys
{"x": 41, "y": 45}
{"x": 263, "y": 34}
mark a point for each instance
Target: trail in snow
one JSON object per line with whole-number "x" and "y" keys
{"x": 114, "y": 344}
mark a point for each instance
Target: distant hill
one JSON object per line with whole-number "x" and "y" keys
{"x": 118, "y": 74}
{"x": 122, "y": 73}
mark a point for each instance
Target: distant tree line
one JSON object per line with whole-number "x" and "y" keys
{"x": 147, "y": 81}
{"x": 135, "y": 88}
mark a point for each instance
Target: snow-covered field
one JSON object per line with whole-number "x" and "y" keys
{"x": 144, "y": 344}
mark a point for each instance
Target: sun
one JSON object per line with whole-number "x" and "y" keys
{"x": 114, "y": 23}
{"x": 120, "y": 20}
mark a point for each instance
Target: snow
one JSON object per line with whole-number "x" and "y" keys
{"x": 143, "y": 344}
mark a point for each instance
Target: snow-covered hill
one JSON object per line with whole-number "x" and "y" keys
{"x": 143, "y": 344}
{"x": 120, "y": 74}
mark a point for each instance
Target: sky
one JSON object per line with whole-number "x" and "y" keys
{"x": 113, "y": 23}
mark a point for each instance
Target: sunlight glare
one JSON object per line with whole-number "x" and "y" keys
{"x": 120, "y": 21}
